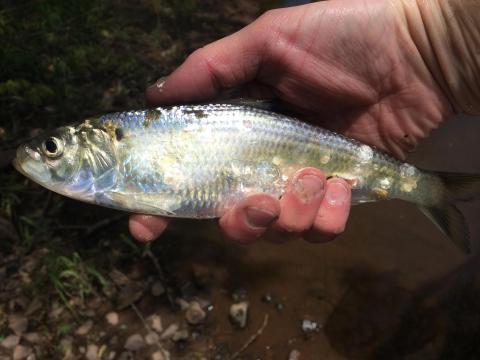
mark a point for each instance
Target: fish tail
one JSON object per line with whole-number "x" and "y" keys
{"x": 446, "y": 215}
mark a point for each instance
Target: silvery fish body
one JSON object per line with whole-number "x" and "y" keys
{"x": 197, "y": 161}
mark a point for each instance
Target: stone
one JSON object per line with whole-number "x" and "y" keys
{"x": 112, "y": 318}
{"x": 294, "y": 355}
{"x": 152, "y": 338}
{"x": 33, "y": 337}
{"x": 21, "y": 352}
{"x": 310, "y": 326}
{"x": 134, "y": 342}
{"x": 239, "y": 314}
{"x": 18, "y": 323}
{"x": 161, "y": 355}
{"x": 10, "y": 341}
{"x": 169, "y": 331}
{"x": 195, "y": 314}
{"x": 85, "y": 328}
{"x": 180, "y": 335}
{"x": 92, "y": 352}
{"x": 155, "y": 322}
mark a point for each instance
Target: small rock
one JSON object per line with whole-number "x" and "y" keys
{"x": 112, "y": 318}
{"x": 294, "y": 355}
{"x": 161, "y": 355}
{"x": 85, "y": 328}
{"x": 10, "y": 341}
{"x": 169, "y": 331}
{"x": 157, "y": 289}
{"x": 134, "y": 342}
{"x": 195, "y": 314}
{"x": 33, "y": 337}
{"x": 239, "y": 314}
{"x": 180, "y": 335}
{"x": 267, "y": 298}
{"x": 21, "y": 352}
{"x": 310, "y": 326}
{"x": 111, "y": 355}
{"x": 18, "y": 323}
{"x": 82, "y": 350}
{"x": 280, "y": 306}
{"x": 92, "y": 352}
{"x": 152, "y": 338}
{"x": 155, "y": 322}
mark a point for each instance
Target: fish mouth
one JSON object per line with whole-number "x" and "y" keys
{"x": 29, "y": 163}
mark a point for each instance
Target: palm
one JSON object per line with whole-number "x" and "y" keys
{"x": 356, "y": 70}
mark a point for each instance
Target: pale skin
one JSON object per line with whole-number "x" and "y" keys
{"x": 383, "y": 72}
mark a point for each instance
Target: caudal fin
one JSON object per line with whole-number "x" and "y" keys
{"x": 459, "y": 187}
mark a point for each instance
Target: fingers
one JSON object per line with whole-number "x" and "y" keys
{"x": 224, "y": 64}
{"x": 146, "y": 228}
{"x": 310, "y": 205}
{"x": 300, "y": 202}
{"x": 333, "y": 212}
{"x": 249, "y": 219}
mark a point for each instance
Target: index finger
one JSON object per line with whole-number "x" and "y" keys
{"x": 223, "y": 64}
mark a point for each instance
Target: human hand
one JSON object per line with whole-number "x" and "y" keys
{"x": 350, "y": 66}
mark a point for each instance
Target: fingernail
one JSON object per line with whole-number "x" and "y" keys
{"x": 259, "y": 218}
{"x": 159, "y": 84}
{"x": 308, "y": 187}
{"x": 337, "y": 193}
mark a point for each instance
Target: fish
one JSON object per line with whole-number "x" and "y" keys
{"x": 198, "y": 161}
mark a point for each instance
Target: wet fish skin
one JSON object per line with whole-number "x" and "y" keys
{"x": 197, "y": 161}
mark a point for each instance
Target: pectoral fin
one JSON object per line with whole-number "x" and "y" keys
{"x": 145, "y": 203}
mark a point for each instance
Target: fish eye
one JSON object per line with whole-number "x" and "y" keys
{"x": 52, "y": 147}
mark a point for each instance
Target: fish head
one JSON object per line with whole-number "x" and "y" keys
{"x": 76, "y": 161}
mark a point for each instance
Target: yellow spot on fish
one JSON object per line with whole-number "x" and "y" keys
{"x": 150, "y": 116}
{"x": 381, "y": 194}
{"x": 325, "y": 159}
{"x": 409, "y": 186}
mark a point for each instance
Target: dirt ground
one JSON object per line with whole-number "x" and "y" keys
{"x": 74, "y": 285}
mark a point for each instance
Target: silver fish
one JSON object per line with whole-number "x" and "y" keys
{"x": 196, "y": 161}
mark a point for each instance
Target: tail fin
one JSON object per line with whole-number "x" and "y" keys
{"x": 459, "y": 187}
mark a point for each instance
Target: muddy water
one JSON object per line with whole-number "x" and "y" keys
{"x": 391, "y": 287}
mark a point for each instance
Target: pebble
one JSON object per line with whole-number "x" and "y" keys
{"x": 85, "y": 328}
{"x": 294, "y": 355}
{"x": 152, "y": 338}
{"x": 155, "y": 322}
{"x": 195, "y": 314}
{"x": 92, "y": 352}
{"x": 134, "y": 342}
{"x": 239, "y": 314}
{"x": 10, "y": 341}
{"x": 169, "y": 331}
{"x": 33, "y": 337}
{"x": 157, "y": 289}
{"x": 18, "y": 323}
{"x": 267, "y": 298}
{"x": 180, "y": 335}
{"x": 21, "y": 352}
{"x": 161, "y": 355}
{"x": 309, "y": 326}
{"x": 112, "y": 318}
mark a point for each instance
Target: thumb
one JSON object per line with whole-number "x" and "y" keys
{"x": 223, "y": 64}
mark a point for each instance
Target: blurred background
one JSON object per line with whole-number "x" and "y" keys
{"x": 73, "y": 284}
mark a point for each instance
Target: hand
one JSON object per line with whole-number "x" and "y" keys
{"x": 350, "y": 66}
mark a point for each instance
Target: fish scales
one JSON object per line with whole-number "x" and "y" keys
{"x": 210, "y": 156}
